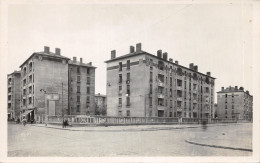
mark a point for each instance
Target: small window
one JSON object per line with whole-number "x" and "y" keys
{"x": 88, "y": 90}
{"x": 78, "y": 98}
{"x": 128, "y": 90}
{"x": 78, "y": 70}
{"x": 128, "y": 101}
{"x": 128, "y": 64}
{"x": 88, "y": 80}
{"x": 150, "y": 101}
{"x": 120, "y": 101}
{"x": 128, "y": 76}
{"x": 78, "y": 89}
{"x": 88, "y": 71}
{"x": 78, "y": 108}
{"x": 120, "y": 66}
{"x": 78, "y": 79}
{"x": 128, "y": 113}
{"x": 120, "y": 78}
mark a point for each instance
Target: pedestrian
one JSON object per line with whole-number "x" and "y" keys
{"x": 24, "y": 121}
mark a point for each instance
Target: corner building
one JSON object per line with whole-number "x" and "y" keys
{"x": 13, "y": 94}
{"x": 140, "y": 84}
{"x": 235, "y": 103}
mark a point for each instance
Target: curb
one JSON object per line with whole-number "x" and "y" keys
{"x": 218, "y": 146}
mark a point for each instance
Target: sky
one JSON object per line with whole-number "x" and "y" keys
{"x": 216, "y": 37}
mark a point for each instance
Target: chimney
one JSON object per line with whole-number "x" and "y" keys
{"x": 138, "y": 47}
{"x": 57, "y": 51}
{"x": 159, "y": 53}
{"x": 46, "y": 49}
{"x": 191, "y": 66}
{"x": 132, "y": 49}
{"x": 90, "y": 63}
{"x": 81, "y": 60}
{"x": 208, "y": 73}
{"x": 74, "y": 59}
{"x": 195, "y": 68}
{"x": 165, "y": 55}
{"x": 170, "y": 59}
{"x": 177, "y": 62}
{"x": 113, "y": 54}
{"x": 235, "y": 87}
{"x": 222, "y": 88}
{"x": 241, "y": 88}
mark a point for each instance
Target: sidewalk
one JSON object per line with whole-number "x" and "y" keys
{"x": 127, "y": 128}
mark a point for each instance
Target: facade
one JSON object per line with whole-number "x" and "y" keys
{"x": 140, "y": 84}
{"x": 101, "y": 103}
{"x": 81, "y": 87}
{"x": 13, "y": 94}
{"x": 235, "y": 103}
{"x": 52, "y": 85}
{"x": 44, "y": 81}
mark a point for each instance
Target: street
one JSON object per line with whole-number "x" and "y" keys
{"x": 30, "y": 141}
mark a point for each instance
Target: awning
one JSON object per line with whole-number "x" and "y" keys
{"x": 27, "y": 112}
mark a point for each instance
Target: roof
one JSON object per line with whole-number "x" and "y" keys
{"x": 143, "y": 52}
{"x": 50, "y": 54}
{"x": 15, "y": 72}
{"x": 233, "y": 89}
{"x": 81, "y": 64}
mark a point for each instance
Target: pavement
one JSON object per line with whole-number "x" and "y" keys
{"x": 152, "y": 140}
{"x": 219, "y": 141}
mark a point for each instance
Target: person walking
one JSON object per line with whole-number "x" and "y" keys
{"x": 24, "y": 121}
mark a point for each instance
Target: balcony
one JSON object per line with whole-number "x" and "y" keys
{"x": 161, "y": 84}
{"x": 160, "y": 71}
{"x": 179, "y": 87}
{"x": 160, "y": 96}
{"x": 194, "y": 101}
{"x": 195, "y": 91}
{"x": 179, "y": 98}
{"x": 179, "y": 108}
{"x": 159, "y": 107}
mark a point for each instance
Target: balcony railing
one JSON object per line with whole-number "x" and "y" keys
{"x": 159, "y": 107}
{"x": 179, "y": 98}
{"x": 179, "y": 108}
{"x": 160, "y": 96}
{"x": 194, "y": 101}
{"x": 179, "y": 87}
{"x": 161, "y": 84}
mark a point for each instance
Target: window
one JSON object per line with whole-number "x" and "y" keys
{"x": 120, "y": 78}
{"x": 78, "y": 108}
{"x": 30, "y": 89}
{"x": 151, "y": 88}
{"x": 9, "y": 89}
{"x": 151, "y": 76}
{"x": 170, "y": 81}
{"x": 78, "y": 70}
{"x": 179, "y": 83}
{"x": 128, "y": 113}
{"x": 88, "y": 80}
{"x": 88, "y": 99}
{"x": 9, "y": 105}
{"x": 9, "y": 97}
{"x": 226, "y": 95}
{"x": 120, "y": 113}
{"x": 127, "y": 101}
{"x": 24, "y": 82}
{"x": 24, "y": 91}
{"x": 150, "y": 101}
{"x": 30, "y": 79}
{"x": 128, "y": 76}
{"x": 24, "y": 102}
{"x": 30, "y": 100}
{"x": 120, "y": 101}
{"x": 225, "y": 106}
{"x": 78, "y": 98}
{"x": 185, "y": 84}
{"x": 128, "y": 64}
{"x": 78, "y": 89}
{"x": 120, "y": 89}
{"x": 232, "y": 106}
{"x": 226, "y": 112}
{"x": 88, "y": 71}
{"x": 88, "y": 90}
{"x": 120, "y": 66}
{"x": 128, "y": 90}
{"x": 78, "y": 79}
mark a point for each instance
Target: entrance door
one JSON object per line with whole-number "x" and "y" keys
{"x": 160, "y": 113}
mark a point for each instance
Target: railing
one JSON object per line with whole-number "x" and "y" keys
{"x": 105, "y": 120}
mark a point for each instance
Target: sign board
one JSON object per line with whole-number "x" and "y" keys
{"x": 52, "y": 97}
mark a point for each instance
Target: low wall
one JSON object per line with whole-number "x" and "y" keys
{"x": 77, "y": 120}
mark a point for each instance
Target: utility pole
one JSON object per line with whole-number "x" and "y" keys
{"x": 62, "y": 100}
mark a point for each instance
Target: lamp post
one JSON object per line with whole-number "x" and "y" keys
{"x": 46, "y": 117}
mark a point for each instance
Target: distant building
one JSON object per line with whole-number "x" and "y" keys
{"x": 235, "y": 103}
{"x": 140, "y": 84}
{"x": 101, "y": 103}
{"x": 81, "y": 87}
{"x": 13, "y": 94}
{"x": 52, "y": 84}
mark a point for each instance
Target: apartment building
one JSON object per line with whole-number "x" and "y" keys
{"x": 44, "y": 84}
{"x": 81, "y": 87}
{"x": 13, "y": 94}
{"x": 234, "y": 102}
{"x": 140, "y": 84}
